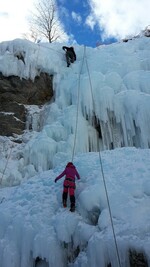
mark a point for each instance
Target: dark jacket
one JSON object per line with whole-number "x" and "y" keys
{"x": 70, "y": 49}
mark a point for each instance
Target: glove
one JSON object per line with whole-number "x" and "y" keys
{"x": 64, "y": 48}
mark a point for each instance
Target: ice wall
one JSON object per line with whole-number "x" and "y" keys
{"x": 115, "y": 94}
{"x": 101, "y": 101}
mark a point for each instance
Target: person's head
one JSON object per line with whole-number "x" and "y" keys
{"x": 69, "y": 164}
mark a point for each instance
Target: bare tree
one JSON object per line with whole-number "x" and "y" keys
{"x": 44, "y": 22}
{"x": 31, "y": 35}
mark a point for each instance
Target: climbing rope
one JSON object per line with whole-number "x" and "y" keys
{"x": 101, "y": 165}
{"x": 77, "y": 111}
{"x": 50, "y": 48}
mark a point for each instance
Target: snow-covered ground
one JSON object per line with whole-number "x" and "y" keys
{"x": 107, "y": 81}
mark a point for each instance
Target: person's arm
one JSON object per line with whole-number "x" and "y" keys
{"x": 77, "y": 174}
{"x": 60, "y": 176}
{"x": 65, "y": 48}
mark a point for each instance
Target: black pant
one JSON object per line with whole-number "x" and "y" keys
{"x": 72, "y": 199}
{"x": 69, "y": 58}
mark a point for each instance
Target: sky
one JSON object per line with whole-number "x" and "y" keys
{"x": 33, "y": 223}
{"x": 87, "y": 22}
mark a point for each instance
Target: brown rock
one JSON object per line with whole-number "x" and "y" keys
{"x": 15, "y": 93}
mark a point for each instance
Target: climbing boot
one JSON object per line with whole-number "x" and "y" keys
{"x": 64, "y": 204}
{"x": 64, "y": 199}
{"x": 72, "y": 206}
{"x": 72, "y": 209}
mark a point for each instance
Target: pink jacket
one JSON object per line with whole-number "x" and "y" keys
{"x": 70, "y": 172}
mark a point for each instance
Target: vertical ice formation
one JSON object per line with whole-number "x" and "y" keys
{"x": 101, "y": 101}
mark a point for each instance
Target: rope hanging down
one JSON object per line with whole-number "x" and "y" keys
{"x": 77, "y": 112}
{"x": 100, "y": 158}
{"x": 50, "y": 48}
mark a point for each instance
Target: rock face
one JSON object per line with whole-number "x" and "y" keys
{"x": 137, "y": 259}
{"x": 145, "y": 32}
{"x": 15, "y": 93}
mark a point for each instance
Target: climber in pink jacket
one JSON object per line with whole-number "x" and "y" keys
{"x": 70, "y": 173}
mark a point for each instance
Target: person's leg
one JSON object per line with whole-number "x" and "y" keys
{"x": 64, "y": 198}
{"x": 71, "y": 58}
{"x": 68, "y": 59}
{"x": 72, "y": 198}
{"x": 65, "y": 194}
